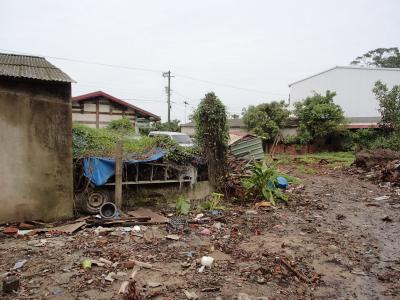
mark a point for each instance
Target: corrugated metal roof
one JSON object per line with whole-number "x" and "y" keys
{"x": 248, "y": 149}
{"x": 31, "y": 67}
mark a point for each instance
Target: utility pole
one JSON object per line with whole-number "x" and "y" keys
{"x": 168, "y": 75}
{"x": 186, "y": 103}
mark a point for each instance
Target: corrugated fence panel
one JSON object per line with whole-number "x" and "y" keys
{"x": 248, "y": 149}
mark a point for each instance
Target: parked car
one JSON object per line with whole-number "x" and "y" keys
{"x": 181, "y": 138}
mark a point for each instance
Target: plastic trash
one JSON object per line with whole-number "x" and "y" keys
{"x": 281, "y": 182}
{"x": 19, "y": 264}
{"x": 87, "y": 264}
{"x": 207, "y": 261}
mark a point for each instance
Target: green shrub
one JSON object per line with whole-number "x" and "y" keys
{"x": 261, "y": 185}
{"x": 88, "y": 141}
{"x": 123, "y": 126}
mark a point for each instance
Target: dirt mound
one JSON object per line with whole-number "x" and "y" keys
{"x": 370, "y": 158}
{"x": 384, "y": 164}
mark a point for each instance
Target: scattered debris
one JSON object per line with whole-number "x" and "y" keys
{"x": 124, "y": 287}
{"x": 174, "y": 237}
{"x": 387, "y": 219}
{"x": 87, "y": 264}
{"x": 207, "y": 261}
{"x": 10, "y": 284}
{"x": 190, "y": 295}
{"x": 19, "y": 264}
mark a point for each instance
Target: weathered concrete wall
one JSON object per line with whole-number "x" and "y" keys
{"x": 35, "y": 150}
{"x": 153, "y": 195}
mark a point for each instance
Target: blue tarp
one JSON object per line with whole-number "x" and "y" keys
{"x": 99, "y": 169}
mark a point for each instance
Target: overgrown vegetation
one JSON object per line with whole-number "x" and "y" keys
{"x": 212, "y": 136}
{"x": 88, "y": 141}
{"x": 266, "y": 119}
{"x": 261, "y": 185}
{"x": 319, "y": 117}
{"x": 388, "y": 134}
{"x": 182, "y": 206}
{"x": 213, "y": 203}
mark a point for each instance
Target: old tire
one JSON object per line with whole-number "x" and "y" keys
{"x": 93, "y": 200}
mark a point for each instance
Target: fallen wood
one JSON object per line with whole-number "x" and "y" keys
{"x": 294, "y": 271}
{"x": 69, "y": 228}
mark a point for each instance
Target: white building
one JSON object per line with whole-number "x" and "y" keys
{"x": 353, "y": 86}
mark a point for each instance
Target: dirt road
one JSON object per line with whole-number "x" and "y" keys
{"x": 336, "y": 240}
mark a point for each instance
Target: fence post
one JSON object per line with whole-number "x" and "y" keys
{"x": 118, "y": 174}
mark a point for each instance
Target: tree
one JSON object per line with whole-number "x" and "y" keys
{"x": 389, "y": 105}
{"x": 266, "y": 119}
{"x": 380, "y": 57}
{"x": 235, "y": 116}
{"x": 212, "y": 135}
{"x": 174, "y": 126}
{"x": 318, "y": 117}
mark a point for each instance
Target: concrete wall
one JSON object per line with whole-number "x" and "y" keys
{"x": 35, "y": 150}
{"x": 155, "y": 195}
{"x": 353, "y": 87}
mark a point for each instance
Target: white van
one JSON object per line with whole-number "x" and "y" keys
{"x": 181, "y": 138}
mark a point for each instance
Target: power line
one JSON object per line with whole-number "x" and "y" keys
{"x": 149, "y": 70}
{"x": 228, "y": 85}
{"x": 87, "y": 62}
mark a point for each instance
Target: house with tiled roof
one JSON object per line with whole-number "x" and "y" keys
{"x": 98, "y": 109}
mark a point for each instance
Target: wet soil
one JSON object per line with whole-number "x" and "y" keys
{"x": 342, "y": 243}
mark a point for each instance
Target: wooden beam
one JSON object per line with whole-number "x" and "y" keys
{"x": 118, "y": 174}
{"x": 97, "y": 113}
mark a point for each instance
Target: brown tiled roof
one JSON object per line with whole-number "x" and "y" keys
{"x": 31, "y": 67}
{"x": 116, "y": 100}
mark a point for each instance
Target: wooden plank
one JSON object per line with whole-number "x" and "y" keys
{"x": 69, "y": 228}
{"x": 118, "y": 175}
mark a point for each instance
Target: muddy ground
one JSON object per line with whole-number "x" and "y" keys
{"x": 340, "y": 241}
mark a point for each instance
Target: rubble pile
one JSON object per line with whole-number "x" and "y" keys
{"x": 237, "y": 170}
{"x": 381, "y": 164}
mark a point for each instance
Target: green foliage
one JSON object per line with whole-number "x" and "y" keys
{"x": 387, "y": 141}
{"x": 389, "y": 105}
{"x": 266, "y": 119}
{"x": 261, "y": 185}
{"x": 212, "y": 135}
{"x": 319, "y": 117}
{"x": 88, "y": 141}
{"x": 182, "y": 206}
{"x": 123, "y": 126}
{"x": 174, "y": 126}
{"x": 214, "y": 203}
{"x": 380, "y": 57}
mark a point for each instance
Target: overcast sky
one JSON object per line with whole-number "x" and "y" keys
{"x": 261, "y": 46}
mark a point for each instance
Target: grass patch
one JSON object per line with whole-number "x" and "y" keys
{"x": 306, "y": 170}
{"x": 334, "y": 159}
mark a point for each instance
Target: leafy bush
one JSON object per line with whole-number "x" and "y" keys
{"x": 390, "y": 141}
{"x": 319, "y": 117}
{"x": 182, "y": 206}
{"x": 261, "y": 185}
{"x": 88, "y": 141}
{"x": 266, "y": 119}
{"x": 123, "y": 126}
